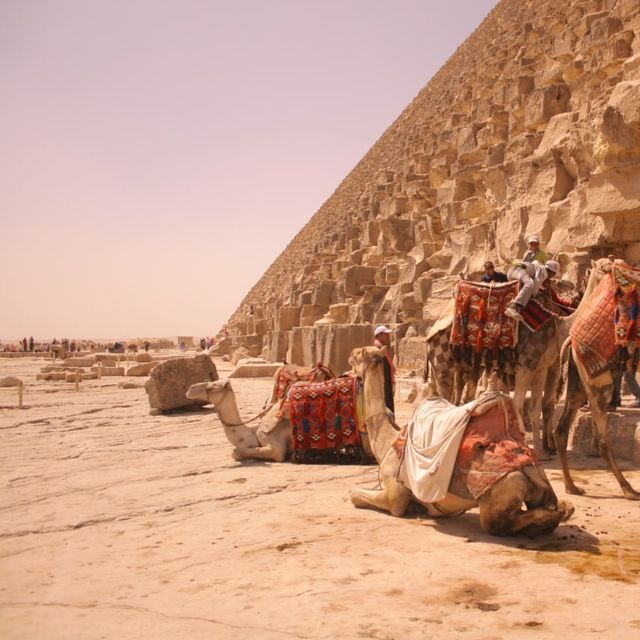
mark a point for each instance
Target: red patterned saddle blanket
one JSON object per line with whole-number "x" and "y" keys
{"x": 286, "y": 375}
{"x": 606, "y": 326}
{"x": 492, "y": 446}
{"x": 480, "y": 328}
{"x": 324, "y": 417}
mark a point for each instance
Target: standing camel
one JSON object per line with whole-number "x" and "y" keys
{"x": 500, "y": 506}
{"x": 542, "y": 380}
{"x": 598, "y": 391}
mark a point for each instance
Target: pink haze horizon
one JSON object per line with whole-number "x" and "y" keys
{"x": 159, "y": 156}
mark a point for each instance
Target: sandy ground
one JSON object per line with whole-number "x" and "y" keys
{"x": 118, "y": 524}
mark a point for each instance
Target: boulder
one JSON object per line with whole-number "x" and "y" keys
{"x": 87, "y": 361}
{"x": 167, "y": 387}
{"x": 142, "y": 369}
{"x": 10, "y": 381}
{"x": 143, "y": 357}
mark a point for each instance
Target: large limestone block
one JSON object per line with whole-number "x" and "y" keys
{"x": 302, "y": 346}
{"x": 86, "y": 361}
{"x": 10, "y": 381}
{"x": 260, "y": 370}
{"x": 544, "y": 103}
{"x": 278, "y": 343}
{"x": 355, "y": 277}
{"x": 334, "y": 344}
{"x": 396, "y": 236}
{"x": 324, "y": 293}
{"x": 111, "y": 371}
{"x": 615, "y": 191}
{"x": 310, "y": 313}
{"x": 621, "y": 119}
{"x": 169, "y": 381}
{"x": 142, "y": 369}
{"x": 143, "y": 357}
{"x": 621, "y": 429}
{"x": 288, "y": 317}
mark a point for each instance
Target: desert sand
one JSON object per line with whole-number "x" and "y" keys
{"x": 118, "y": 524}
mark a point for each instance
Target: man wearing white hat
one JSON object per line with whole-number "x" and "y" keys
{"x": 532, "y": 276}
{"x": 382, "y": 338}
{"x": 534, "y": 252}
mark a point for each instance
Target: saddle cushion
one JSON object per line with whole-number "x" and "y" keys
{"x": 479, "y": 322}
{"x": 324, "y": 415}
{"x": 492, "y": 447}
{"x": 446, "y": 448}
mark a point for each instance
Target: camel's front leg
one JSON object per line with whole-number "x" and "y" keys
{"x": 394, "y": 497}
{"x": 535, "y": 412}
{"x": 268, "y": 452}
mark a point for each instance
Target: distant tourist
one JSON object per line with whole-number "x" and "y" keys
{"x": 24, "y": 344}
{"x": 491, "y": 275}
{"x": 382, "y": 338}
{"x": 31, "y": 343}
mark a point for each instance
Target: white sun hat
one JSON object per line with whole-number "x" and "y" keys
{"x": 381, "y": 329}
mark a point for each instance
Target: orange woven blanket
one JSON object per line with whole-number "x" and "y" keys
{"x": 479, "y": 322}
{"x": 607, "y": 321}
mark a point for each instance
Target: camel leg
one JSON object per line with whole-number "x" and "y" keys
{"x": 575, "y": 396}
{"x": 394, "y": 497}
{"x": 549, "y": 401}
{"x": 599, "y": 416}
{"x": 268, "y": 452}
{"x": 535, "y": 411}
{"x": 523, "y": 381}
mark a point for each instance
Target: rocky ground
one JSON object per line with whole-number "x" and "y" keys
{"x": 118, "y": 524}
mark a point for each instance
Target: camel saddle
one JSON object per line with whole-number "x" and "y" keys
{"x": 446, "y": 448}
{"x": 606, "y": 332}
{"x": 324, "y": 421}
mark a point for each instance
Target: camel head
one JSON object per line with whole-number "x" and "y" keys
{"x": 210, "y": 392}
{"x": 362, "y": 358}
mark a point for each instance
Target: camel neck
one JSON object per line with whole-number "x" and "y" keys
{"x": 379, "y": 427}
{"x": 238, "y": 434}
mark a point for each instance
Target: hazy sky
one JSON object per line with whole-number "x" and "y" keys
{"x": 157, "y": 155}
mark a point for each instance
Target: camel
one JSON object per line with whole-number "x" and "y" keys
{"x": 543, "y": 381}
{"x": 501, "y": 510}
{"x": 269, "y": 440}
{"x": 598, "y": 391}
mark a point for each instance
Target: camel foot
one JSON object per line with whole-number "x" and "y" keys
{"x": 236, "y": 455}
{"x": 542, "y": 455}
{"x": 550, "y": 451}
{"x": 574, "y": 490}
{"x": 566, "y": 509}
{"x": 631, "y": 494}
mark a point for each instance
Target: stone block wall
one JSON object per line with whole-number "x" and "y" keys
{"x": 532, "y": 126}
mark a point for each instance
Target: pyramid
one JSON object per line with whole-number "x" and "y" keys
{"x": 532, "y": 126}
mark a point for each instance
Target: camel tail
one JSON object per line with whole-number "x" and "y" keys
{"x": 565, "y": 352}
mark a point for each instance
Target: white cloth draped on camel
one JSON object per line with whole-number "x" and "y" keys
{"x": 433, "y": 439}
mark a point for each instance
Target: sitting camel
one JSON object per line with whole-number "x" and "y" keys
{"x": 500, "y": 505}
{"x": 269, "y": 440}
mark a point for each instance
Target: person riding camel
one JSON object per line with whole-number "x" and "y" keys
{"x": 532, "y": 276}
{"x": 534, "y": 252}
{"x": 491, "y": 275}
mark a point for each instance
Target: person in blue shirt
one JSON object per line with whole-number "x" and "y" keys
{"x": 491, "y": 275}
